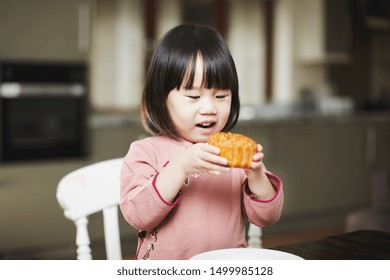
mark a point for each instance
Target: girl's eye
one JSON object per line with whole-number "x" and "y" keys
{"x": 220, "y": 96}
{"x": 193, "y": 96}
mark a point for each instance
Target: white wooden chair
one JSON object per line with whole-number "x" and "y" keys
{"x": 89, "y": 190}
{"x": 95, "y": 188}
{"x": 254, "y": 236}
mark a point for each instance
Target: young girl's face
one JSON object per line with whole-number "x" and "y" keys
{"x": 199, "y": 112}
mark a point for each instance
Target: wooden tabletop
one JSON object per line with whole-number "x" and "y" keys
{"x": 357, "y": 245}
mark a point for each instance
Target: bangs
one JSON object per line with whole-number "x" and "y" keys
{"x": 217, "y": 73}
{"x": 185, "y": 48}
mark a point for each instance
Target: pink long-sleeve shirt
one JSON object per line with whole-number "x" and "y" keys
{"x": 207, "y": 214}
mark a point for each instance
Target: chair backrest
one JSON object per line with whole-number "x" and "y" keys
{"x": 89, "y": 190}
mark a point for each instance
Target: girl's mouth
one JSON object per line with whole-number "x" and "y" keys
{"x": 206, "y": 125}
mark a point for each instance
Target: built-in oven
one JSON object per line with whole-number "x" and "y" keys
{"x": 43, "y": 110}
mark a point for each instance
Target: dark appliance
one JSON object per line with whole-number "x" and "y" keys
{"x": 42, "y": 110}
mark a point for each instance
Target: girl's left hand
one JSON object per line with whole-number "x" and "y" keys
{"x": 258, "y": 158}
{"x": 257, "y": 163}
{"x": 258, "y": 182}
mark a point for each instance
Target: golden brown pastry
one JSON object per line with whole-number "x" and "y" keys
{"x": 238, "y": 149}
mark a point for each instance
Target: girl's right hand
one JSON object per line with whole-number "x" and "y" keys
{"x": 202, "y": 157}
{"x": 198, "y": 158}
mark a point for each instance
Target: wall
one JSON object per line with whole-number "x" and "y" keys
{"x": 246, "y": 43}
{"x": 44, "y": 30}
{"x": 299, "y": 55}
{"x": 119, "y": 49}
{"x": 117, "y": 54}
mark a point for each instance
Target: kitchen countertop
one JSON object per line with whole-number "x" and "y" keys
{"x": 113, "y": 120}
{"x": 101, "y": 120}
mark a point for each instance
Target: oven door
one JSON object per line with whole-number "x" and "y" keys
{"x": 42, "y": 127}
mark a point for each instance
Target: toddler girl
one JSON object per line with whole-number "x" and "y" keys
{"x": 175, "y": 188}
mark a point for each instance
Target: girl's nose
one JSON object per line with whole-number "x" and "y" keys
{"x": 208, "y": 107}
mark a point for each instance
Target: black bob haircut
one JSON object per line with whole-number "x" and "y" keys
{"x": 173, "y": 64}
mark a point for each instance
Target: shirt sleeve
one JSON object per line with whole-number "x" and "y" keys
{"x": 140, "y": 202}
{"x": 264, "y": 212}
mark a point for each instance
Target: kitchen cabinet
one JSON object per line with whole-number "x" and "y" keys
{"x": 44, "y": 30}
{"x": 324, "y": 168}
{"x": 323, "y": 165}
{"x": 323, "y": 31}
{"x": 110, "y": 141}
{"x": 378, "y": 146}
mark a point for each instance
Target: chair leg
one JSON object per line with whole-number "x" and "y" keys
{"x": 111, "y": 233}
{"x": 82, "y": 239}
{"x": 254, "y": 236}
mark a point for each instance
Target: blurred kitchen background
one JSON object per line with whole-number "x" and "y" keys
{"x": 314, "y": 87}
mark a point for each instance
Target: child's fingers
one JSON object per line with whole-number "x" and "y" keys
{"x": 207, "y": 159}
{"x": 258, "y": 157}
{"x": 212, "y": 155}
{"x": 256, "y": 164}
{"x": 211, "y": 149}
{"x": 215, "y": 168}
